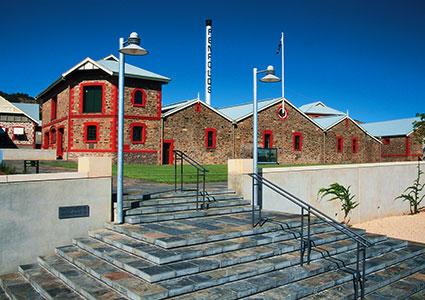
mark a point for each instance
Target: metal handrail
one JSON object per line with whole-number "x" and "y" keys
{"x": 200, "y": 172}
{"x": 306, "y": 243}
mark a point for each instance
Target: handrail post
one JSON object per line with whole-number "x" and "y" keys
{"x": 197, "y": 189}
{"x": 363, "y": 279}
{"x": 252, "y": 202}
{"x": 203, "y": 188}
{"x": 175, "y": 171}
{"x": 302, "y": 238}
{"x": 308, "y": 237}
{"x": 181, "y": 173}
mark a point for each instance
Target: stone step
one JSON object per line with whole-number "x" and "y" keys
{"x": 48, "y": 285}
{"x": 296, "y": 281}
{"x": 102, "y": 270}
{"x": 178, "y": 194}
{"x": 152, "y": 272}
{"x": 160, "y": 255}
{"x": 17, "y": 288}
{"x": 417, "y": 296}
{"x": 245, "y": 280}
{"x": 311, "y": 286}
{"x": 182, "y": 200}
{"x": 171, "y": 208}
{"x": 177, "y": 233}
{"x": 403, "y": 288}
{"x": 3, "y": 294}
{"x": 159, "y": 217}
{"x": 81, "y": 282}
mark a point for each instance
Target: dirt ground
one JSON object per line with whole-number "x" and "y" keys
{"x": 406, "y": 227}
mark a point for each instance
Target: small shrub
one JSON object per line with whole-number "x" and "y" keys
{"x": 342, "y": 194}
{"x": 412, "y": 193}
{"x": 6, "y": 170}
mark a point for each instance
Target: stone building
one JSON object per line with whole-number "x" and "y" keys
{"x": 80, "y": 112}
{"x": 399, "y": 140}
{"x": 17, "y": 128}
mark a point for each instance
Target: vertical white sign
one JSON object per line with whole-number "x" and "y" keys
{"x": 208, "y": 62}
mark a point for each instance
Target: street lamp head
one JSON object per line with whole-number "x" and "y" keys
{"x": 270, "y": 78}
{"x": 270, "y": 69}
{"x": 133, "y": 47}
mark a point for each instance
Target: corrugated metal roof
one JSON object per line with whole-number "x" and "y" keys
{"x": 168, "y": 107}
{"x": 327, "y": 122}
{"x": 132, "y": 71}
{"x": 320, "y": 108}
{"x": 33, "y": 110}
{"x": 10, "y": 108}
{"x": 390, "y": 128}
{"x": 236, "y": 112}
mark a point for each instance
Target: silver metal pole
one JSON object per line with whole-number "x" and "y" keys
{"x": 120, "y": 164}
{"x": 255, "y": 136}
{"x": 283, "y": 66}
{"x": 208, "y": 62}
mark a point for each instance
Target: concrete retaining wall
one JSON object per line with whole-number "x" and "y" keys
{"x": 375, "y": 185}
{"x": 29, "y": 214}
{"x": 27, "y": 154}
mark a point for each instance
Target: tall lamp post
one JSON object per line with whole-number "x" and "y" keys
{"x": 268, "y": 78}
{"x": 129, "y": 47}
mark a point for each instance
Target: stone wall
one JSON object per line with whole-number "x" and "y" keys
{"x": 402, "y": 148}
{"x": 187, "y": 129}
{"x": 7, "y": 140}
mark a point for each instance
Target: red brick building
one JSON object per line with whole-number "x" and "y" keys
{"x": 79, "y": 112}
{"x": 17, "y": 128}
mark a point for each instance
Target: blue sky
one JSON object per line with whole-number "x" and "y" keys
{"x": 364, "y": 56}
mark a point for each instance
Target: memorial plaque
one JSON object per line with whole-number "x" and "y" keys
{"x": 70, "y": 212}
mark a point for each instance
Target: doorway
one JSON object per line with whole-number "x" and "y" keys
{"x": 59, "y": 143}
{"x": 167, "y": 152}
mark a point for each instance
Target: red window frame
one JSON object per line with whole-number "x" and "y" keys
{"x": 133, "y": 93}
{"x": 214, "y": 138}
{"x": 198, "y": 107}
{"x": 143, "y": 125}
{"x": 387, "y": 141}
{"x": 52, "y": 136}
{"x": 354, "y": 145}
{"x": 54, "y": 108}
{"x": 294, "y": 135}
{"x": 46, "y": 139}
{"x": 279, "y": 116}
{"x": 86, "y": 125}
{"x": 96, "y": 83}
{"x": 269, "y": 132}
{"x": 339, "y": 140}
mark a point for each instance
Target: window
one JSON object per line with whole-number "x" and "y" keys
{"x": 198, "y": 107}
{"x": 138, "y": 97}
{"x": 46, "y": 140}
{"x": 339, "y": 144}
{"x": 297, "y": 141}
{"x": 91, "y": 132}
{"x": 354, "y": 145}
{"x": 54, "y": 108}
{"x": 138, "y": 133}
{"x": 267, "y": 139}
{"x": 282, "y": 113}
{"x": 52, "y": 136}
{"x": 92, "y": 98}
{"x": 210, "y": 138}
{"x": 387, "y": 141}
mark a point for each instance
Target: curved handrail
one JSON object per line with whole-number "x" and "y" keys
{"x": 297, "y": 201}
{"x": 190, "y": 160}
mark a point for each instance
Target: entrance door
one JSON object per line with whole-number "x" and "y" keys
{"x": 59, "y": 143}
{"x": 167, "y": 152}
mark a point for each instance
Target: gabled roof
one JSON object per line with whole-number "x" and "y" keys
{"x": 110, "y": 65}
{"x": 173, "y": 108}
{"x": 32, "y": 110}
{"x": 319, "y": 108}
{"x": 399, "y": 127}
{"x": 9, "y": 108}
{"x": 241, "y": 111}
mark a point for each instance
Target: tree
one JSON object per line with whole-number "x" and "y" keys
{"x": 412, "y": 193}
{"x": 419, "y": 128}
{"x": 342, "y": 194}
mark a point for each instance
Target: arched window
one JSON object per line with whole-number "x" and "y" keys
{"x": 138, "y": 97}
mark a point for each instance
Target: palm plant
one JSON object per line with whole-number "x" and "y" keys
{"x": 412, "y": 193}
{"x": 342, "y": 194}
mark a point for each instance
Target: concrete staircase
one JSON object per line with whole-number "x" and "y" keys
{"x": 176, "y": 251}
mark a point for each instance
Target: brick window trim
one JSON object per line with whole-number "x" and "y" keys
{"x": 144, "y": 96}
{"x": 338, "y": 139}
{"x": 294, "y": 135}
{"x": 138, "y": 124}
{"x": 354, "y": 145}
{"x": 93, "y": 83}
{"x": 54, "y": 108}
{"x": 279, "y": 116}
{"x": 386, "y": 141}
{"x": 214, "y": 138}
{"x": 270, "y": 132}
{"x": 85, "y": 126}
{"x": 13, "y": 131}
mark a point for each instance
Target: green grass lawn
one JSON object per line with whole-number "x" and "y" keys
{"x": 155, "y": 173}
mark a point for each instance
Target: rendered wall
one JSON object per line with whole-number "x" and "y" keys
{"x": 29, "y": 218}
{"x": 375, "y": 185}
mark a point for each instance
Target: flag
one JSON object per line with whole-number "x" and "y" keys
{"x": 279, "y": 47}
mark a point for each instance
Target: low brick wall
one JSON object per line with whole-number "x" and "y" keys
{"x": 29, "y": 217}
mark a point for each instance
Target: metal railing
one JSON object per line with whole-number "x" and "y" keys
{"x": 179, "y": 159}
{"x": 359, "y": 274}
